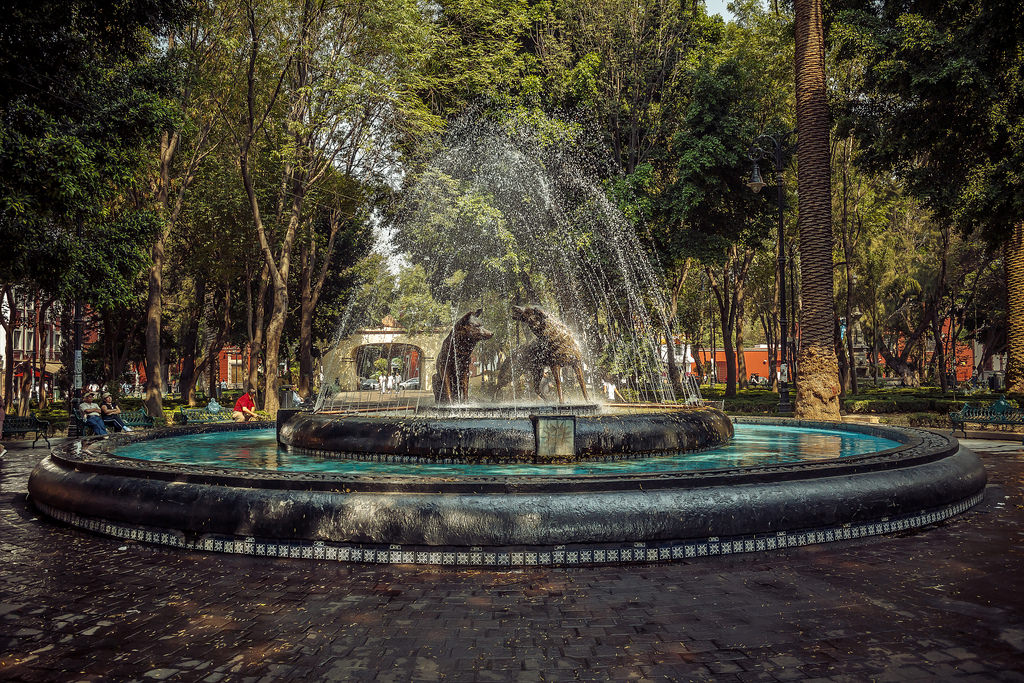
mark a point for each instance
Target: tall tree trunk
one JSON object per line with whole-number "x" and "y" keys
{"x": 43, "y": 338}
{"x": 305, "y": 384}
{"x": 187, "y": 379}
{"x": 257, "y": 315}
{"x": 296, "y": 178}
{"x": 939, "y": 354}
{"x": 844, "y": 366}
{"x": 219, "y": 341}
{"x": 278, "y": 315}
{"x": 674, "y": 376}
{"x": 154, "y": 399}
{"x": 25, "y": 388}
{"x": 724, "y": 295}
{"x": 742, "y": 377}
{"x": 8, "y": 323}
{"x": 851, "y": 383}
{"x": 769, "y": 325}
{"x": 31, "y": 365}
{"x": 817, "y": 395}
{"x": 1013, "y": 260}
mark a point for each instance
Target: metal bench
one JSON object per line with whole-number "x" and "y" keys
{"x": 131, "y": 418}
{"x": 1002, "y": 412}
{"x": 135, "y": 418}
{"x": 23, "y": 424}
{"x": 204, "y": 415}
{"x": 84, "y": 428}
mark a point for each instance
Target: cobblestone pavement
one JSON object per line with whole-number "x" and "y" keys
{"x": 935, "y": 604}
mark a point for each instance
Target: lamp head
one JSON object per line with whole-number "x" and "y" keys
{"x": 756, "y": 183}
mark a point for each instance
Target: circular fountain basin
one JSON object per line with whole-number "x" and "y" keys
{"x": 628, "y": 512}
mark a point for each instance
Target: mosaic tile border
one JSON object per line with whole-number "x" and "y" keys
{"x": 624, "y": 553}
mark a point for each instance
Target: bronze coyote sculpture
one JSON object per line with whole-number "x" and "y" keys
{"x": 554, "y": 347}
{"x": 451, "y": 370}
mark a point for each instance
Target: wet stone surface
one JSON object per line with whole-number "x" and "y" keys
{"x": 943, "y": 603}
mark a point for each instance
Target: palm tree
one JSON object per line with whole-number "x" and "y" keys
{"x": 817, "y": 392}
{"x": 1013, "y": 261}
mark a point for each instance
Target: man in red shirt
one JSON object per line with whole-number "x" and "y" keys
{"x": 245, "y": 409}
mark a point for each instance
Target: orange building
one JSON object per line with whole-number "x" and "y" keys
{"x": 756, "y": 359}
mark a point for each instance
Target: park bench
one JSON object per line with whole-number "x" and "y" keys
{"x": 136, "y": 418}
{"x": 15, "y": 424}
{"x": 1002, "y": 412}
{"x": 204, "y": 415}
{"x": 131, "y": 418}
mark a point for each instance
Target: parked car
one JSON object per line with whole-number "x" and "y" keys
{"x": 368, "y": 384}
{"x": 411, "y": 383}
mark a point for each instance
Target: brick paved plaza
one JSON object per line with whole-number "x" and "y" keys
{"x": 943, "y": 603}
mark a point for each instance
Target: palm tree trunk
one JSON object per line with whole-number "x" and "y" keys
{"x": 1014, "y": 263}
{"x": 817, "y": 392}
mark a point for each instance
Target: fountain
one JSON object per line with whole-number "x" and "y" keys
{"x": 479, "y": 461}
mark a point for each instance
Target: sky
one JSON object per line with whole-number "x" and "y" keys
{"x": 718, "y": 7}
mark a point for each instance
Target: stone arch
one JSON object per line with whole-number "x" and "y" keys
{"x": 345, "y": 362}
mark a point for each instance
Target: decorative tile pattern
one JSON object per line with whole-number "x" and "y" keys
{"x": 478, "y": 557}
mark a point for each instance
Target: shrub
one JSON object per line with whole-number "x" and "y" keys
{"x": 919, "y": 419}
{"x": 862, "y": 406}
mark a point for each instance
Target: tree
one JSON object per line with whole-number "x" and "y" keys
{"x": 83, "y": 94}
{"x": 330, "y": 88}
{"x": 197, "y": 52}
{"x": 702, "y": 207}
{"x": 617, "y": 59}
{"x": 942, "y": 107}
{"x": 334, "y": 238}
{"x": 817, "y": 392}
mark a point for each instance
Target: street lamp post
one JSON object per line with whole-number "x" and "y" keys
{"x": 774, "y": 146}
{"x": 76, "y": 386}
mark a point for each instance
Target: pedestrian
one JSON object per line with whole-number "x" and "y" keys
{"x": 3, "y": 416}
{"x": 91, "y": 414}
{"x": 609, "y": 389}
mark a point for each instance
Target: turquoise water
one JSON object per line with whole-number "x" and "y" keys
{"x": 753, "y": 445}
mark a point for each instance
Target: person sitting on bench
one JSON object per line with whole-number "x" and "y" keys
{"x": 112, "y": 413}
{"x": 91, "y": 413}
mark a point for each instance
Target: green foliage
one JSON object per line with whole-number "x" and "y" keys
{"x": 83, "y": 93}
{"x": 732, "y": 88}
{"x": 480, "y": 52}
{"x": 371, "y": 295}
{"x": 926, "y": 420}
{"x": 943, "y": 103}
{"x": 414, "y": 308}
{"x": 441, "y": 209}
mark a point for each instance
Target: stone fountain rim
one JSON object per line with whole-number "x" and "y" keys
{"x": 96, "y": 455}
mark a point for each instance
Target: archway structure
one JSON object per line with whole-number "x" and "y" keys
{"x": 342, "y": 364}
